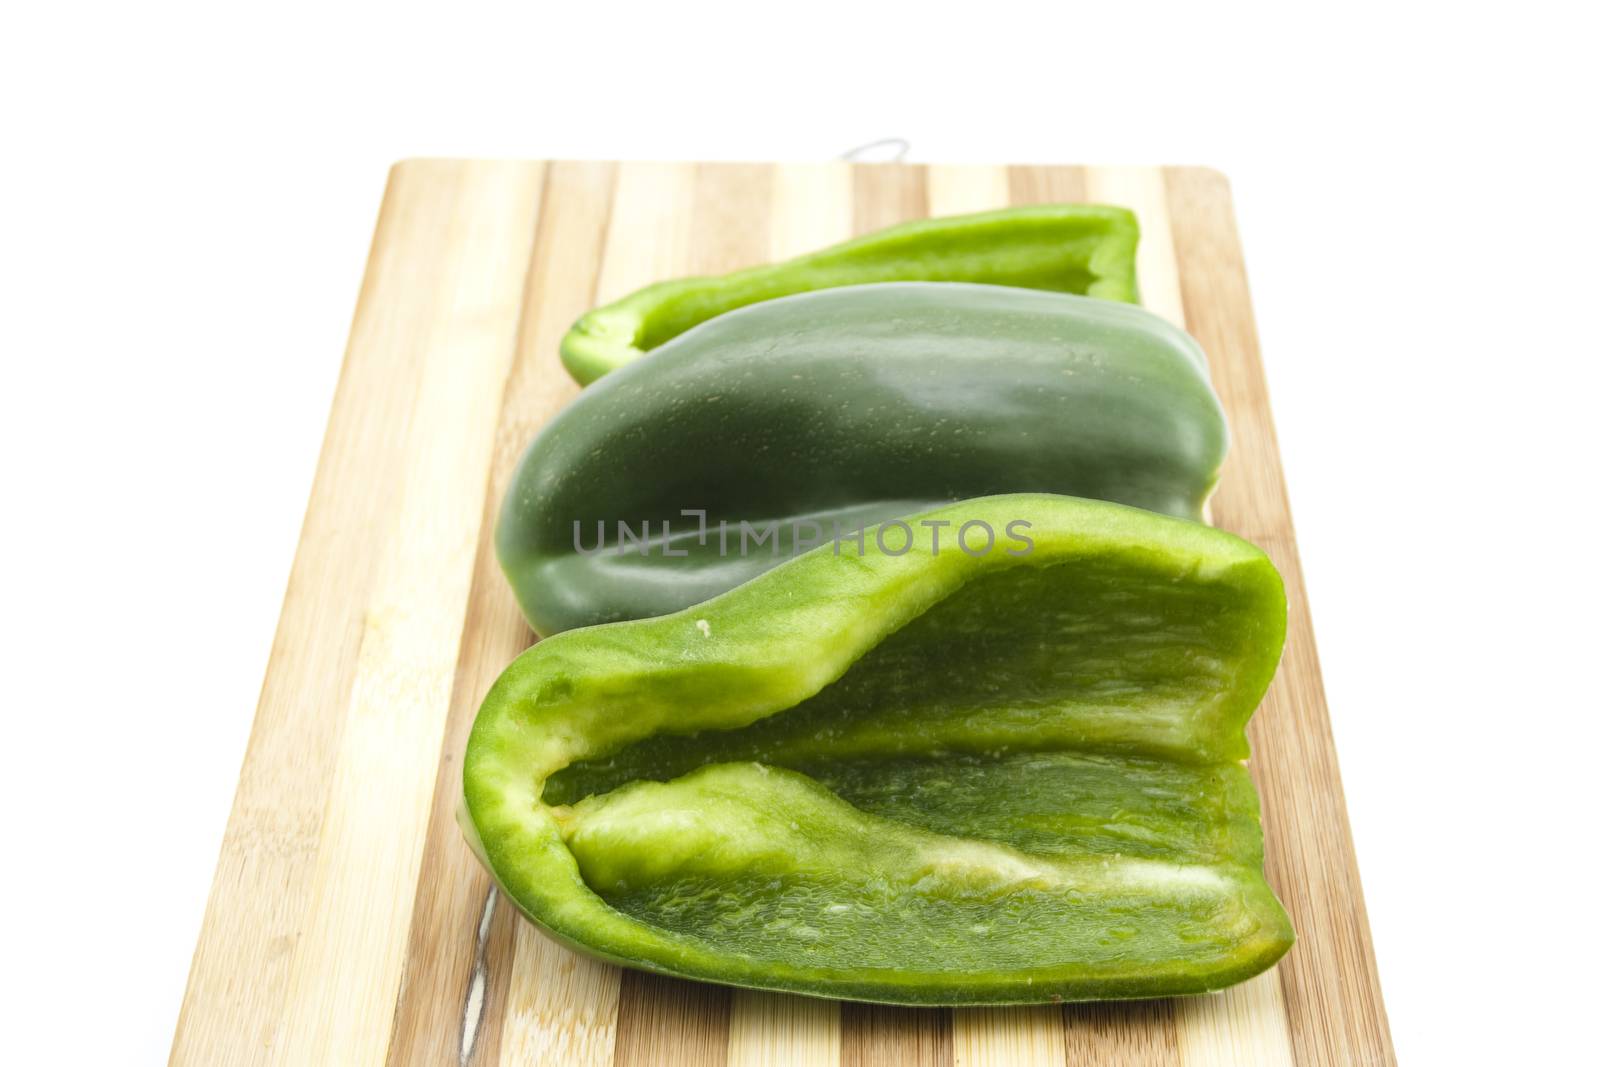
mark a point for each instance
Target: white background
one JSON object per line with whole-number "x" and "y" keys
{"x": 188, "y": 195}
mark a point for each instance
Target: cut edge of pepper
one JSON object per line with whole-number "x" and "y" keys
{"x": 503, "y": 776}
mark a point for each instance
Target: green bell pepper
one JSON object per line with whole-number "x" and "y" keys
{"x": 797, "y": 418}
{"x": 1086, "y": 249}
{"x": 931, "y": 776}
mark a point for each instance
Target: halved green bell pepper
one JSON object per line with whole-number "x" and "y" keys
{"x": 822, "y": 413}
{"x": 921, "y": 777}
{"x": 1067, "y": 248}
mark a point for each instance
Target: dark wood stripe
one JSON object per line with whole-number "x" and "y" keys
{"x": 887, "y": 193}
{"x": 872, "y": 1035}
{"x": 669, "y": 1022}
{"x": 1047, "y": 185}
{"x": 443, "y": 950}
{"x": 1138, "y": 1033}
{"x": 1330, "y": 978}
{"x": 732, "y": 217}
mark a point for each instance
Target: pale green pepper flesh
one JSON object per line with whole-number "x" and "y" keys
{"x": 929, "y": 779}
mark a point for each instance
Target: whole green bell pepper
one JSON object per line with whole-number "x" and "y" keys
{"x": 921, "y": 777}
{"x": 1068, "y": 248}
{"x": 786, "y": 422}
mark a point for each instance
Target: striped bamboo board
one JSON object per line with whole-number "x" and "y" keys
{"x": 349, "y": 924}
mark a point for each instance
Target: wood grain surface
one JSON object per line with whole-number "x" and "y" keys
{"x": 349, "y": 924}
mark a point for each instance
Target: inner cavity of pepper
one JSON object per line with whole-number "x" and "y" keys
{"x": 1036, "y": 770}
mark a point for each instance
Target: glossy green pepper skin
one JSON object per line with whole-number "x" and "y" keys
{"x": 834, "y": 410}
{"x": 1086, "y": 249}
{"x": 919, "y": 777}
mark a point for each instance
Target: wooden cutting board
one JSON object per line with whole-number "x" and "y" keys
{"x": 349, "y": 924}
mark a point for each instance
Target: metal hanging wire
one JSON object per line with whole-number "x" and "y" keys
{"x": 883, "y": 150}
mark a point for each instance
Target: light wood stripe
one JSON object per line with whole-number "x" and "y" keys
{"x": 1009, "y": 1037}
{"x": 960, "y": 189}
{"x": 732, "y": 226}
{"x": 345, "y": 971}
{"x": 1242, "y": 1024}
{"x": 812, "y": 207}
{"x": 562, "y": 1008}
{"x": 651, "y": 230}
{"x": 776, "y": 1030}
{"x": 1142, "y": 190}
{"x": 1329, "y": 980}
{"x": 453, "y": 999}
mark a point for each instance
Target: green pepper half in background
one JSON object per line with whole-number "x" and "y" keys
{"x": 1086, "y": 249}
{"x": 838, "y": 409}
{"x": 920, "y": 777}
